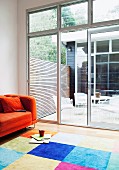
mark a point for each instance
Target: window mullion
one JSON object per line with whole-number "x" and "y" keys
{"x": 90, "y": 12}
{"x": 43, "y": 33}
{"x": 58, "y": 65}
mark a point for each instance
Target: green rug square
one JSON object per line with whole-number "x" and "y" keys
{"x": 20, "y": 144}
{"x": 113, "y": 162}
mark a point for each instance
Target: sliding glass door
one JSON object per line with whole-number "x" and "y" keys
{"x": 74, "y": 78}
{"x": 73, "y": 62}
{"x": 104, "y": 77}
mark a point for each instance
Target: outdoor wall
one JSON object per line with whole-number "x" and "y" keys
{"x": 22, "y": 6}
{"x": 8, "y": 47}
{"x": 71, "y": 63}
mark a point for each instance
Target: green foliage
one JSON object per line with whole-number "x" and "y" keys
{"x": 63, "y": 55}
{"x": 43, "y": 47}
{"x": 44, "y": 20}
{"x": 67, "y": 17}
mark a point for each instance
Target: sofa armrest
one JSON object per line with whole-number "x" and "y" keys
{"x": 29, "y": 104}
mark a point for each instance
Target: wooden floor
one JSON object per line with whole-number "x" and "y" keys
{"x": 66, "y": 129}
{"x": 78, "y": 130}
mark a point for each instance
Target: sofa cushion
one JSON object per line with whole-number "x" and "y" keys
{"x": 14, "y": 120}
{"x": 11, "y": 104}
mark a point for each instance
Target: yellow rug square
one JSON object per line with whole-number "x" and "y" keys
{"x": 30, "y": 162}
{"x": 98, "y": 143}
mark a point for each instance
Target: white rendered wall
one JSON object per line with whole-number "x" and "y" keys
{"x": 8, "y": 47}
{"x": 22, "y": 6}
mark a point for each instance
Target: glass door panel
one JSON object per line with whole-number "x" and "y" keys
{"x": 104, "y": 78}
{"x": 74, "y": 78}
{"x": 43, "y": 74}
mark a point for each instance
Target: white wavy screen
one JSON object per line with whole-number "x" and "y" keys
{"x": 43, "y": 84}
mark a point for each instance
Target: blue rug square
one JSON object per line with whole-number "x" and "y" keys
{"x": 8, "y": 156}
{"x": 88, "y": 157}
{"x": 52, "y": 150}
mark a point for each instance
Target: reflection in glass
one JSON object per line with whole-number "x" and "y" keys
{"x": 114, "y": 57}
{"x": 102, "y": 46}
{"x": 115, "y": 45}
{"x": 114, "y": 76}
{"x": 43, "y": 20}
{"x": 74, "y": 14}
{"x": 105, "y": 10}
{"x": 102, "y": 58}
{"x": 101, "y": 77}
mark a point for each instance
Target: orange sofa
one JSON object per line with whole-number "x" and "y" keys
{"x": 16, "y": 120}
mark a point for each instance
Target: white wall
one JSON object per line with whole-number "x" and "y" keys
{"x": 22, "y": 6}
{"x": 8, "y": 47}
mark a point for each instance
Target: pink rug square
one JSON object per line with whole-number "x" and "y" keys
{"x": 68, "y": 166}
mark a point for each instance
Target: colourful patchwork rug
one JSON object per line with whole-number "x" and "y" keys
{"x": 64, "y": 152}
